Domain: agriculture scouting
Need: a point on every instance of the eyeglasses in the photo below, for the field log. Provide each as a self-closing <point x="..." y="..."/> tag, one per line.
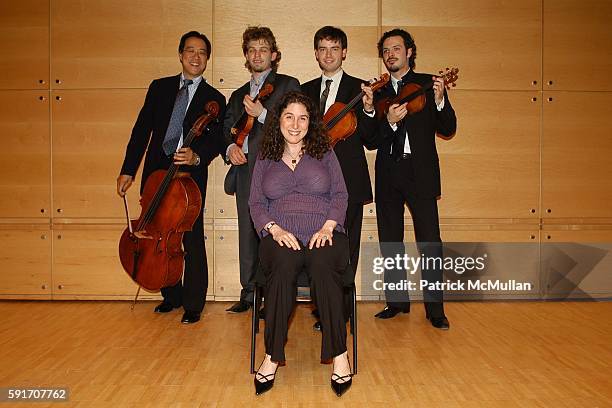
<point x="192" y="51"/>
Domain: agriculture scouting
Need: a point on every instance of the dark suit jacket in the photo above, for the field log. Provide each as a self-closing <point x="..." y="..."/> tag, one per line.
<point x="422" y="128"/>
<point x="350" y="151"/>
<point x="152" y="123"/>
<point x="282" y="84"/>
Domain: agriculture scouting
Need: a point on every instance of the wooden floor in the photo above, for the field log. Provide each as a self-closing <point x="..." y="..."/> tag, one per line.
<point x="495" y="354"/>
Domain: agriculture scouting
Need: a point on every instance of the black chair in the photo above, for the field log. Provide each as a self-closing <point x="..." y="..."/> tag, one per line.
<point x="302" y="282"/>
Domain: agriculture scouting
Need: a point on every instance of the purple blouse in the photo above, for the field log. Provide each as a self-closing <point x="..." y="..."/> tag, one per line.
<point x="298" y="201"/>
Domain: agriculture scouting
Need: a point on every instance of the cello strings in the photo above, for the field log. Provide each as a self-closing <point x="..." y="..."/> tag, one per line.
<point x="150" y="213"/>
<point x="166" y="182"/>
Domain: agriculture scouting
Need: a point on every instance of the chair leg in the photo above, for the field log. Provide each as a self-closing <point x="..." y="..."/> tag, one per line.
<point x="256" y="306"/>
<point x="354" y="330"/>
<point x="254" y="328"/>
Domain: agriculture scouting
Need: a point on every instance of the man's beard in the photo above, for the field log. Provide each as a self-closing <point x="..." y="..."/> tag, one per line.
<point x="392" y="68"/>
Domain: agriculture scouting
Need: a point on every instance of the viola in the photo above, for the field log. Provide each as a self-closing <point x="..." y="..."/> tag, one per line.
<point x="340" y="119"/>
<point x="413" y="95"/>
<point x="241" y="129"/>
<point x="150" y="248"/>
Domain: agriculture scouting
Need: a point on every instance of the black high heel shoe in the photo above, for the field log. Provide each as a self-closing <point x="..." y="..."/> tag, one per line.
<point x="341" y="387"/>
<point x="267" y="384"/>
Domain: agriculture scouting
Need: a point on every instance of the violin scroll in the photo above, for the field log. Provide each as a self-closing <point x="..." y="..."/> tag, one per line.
<point x="376" y="84"/>
<point x="450" y="77"/>
<point x="212" y="111"/>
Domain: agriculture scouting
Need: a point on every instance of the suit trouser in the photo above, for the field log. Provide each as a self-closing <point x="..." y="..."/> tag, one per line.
<point x="191" y="292"/>
<point x="248" y="240"/>
<point x="390" y="220"/>
<point x="325" y="266"/>
<point x="352" y="225"/>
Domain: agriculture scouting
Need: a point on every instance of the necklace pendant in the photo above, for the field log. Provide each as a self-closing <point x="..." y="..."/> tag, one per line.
<point x="294" y="161"/>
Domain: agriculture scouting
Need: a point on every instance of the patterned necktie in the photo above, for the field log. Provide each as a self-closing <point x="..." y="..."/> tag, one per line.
<point x="400" y="134"/>
<point x="324" y="95"/>
<point x="175" y="127"/>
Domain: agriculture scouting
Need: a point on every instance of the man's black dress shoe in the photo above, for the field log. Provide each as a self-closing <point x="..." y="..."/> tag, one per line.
<point x="317" y="325"/>
<point x="190" y="317"/>
<point x="389" y="311"/>
<point x="439" y="322"/>
<point x="163" y="307"/>
<point x="239" y="307"/>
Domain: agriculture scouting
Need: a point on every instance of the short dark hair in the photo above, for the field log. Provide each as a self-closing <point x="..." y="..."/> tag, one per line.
<point x="332" y="34"/>
<point x="260" y="33"/>
<point x="408" y="43"/>
<point x="197" y="35"/>
<point x="316" y="141"/>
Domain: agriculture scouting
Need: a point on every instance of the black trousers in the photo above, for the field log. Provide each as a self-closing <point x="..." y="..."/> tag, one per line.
<point x="390" y="220"/>
<point x="353" y="224"/>
<point x="325" y="266"/>
<point x="191" y="292"/>
<point x="248" y="240"/>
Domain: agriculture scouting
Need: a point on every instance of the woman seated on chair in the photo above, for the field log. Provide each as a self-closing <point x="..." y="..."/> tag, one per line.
<point x="298" y="203"/>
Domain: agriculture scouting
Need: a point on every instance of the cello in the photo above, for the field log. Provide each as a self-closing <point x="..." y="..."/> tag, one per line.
<point x="340" y="120"/>
<point x="150" y="248"/>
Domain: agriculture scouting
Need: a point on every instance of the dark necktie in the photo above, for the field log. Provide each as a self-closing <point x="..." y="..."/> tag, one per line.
<point x="175" y="127"/>
<point x="324" y="95"/>
<point x="400" y="135"/>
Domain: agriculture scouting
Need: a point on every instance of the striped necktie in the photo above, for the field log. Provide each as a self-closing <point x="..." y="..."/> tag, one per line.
<point x="324" y="95"/>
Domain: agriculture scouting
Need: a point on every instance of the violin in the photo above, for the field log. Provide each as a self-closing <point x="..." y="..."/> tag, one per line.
<point x="340" y="119"/>
<point x="413" y="95"/>
<point x="150" y="248"/>
<point x="241" y="129"/>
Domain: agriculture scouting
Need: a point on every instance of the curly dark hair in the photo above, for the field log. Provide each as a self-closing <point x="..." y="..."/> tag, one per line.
<point x="253" y="33"/>
<point x="316" y="141"/>
<point x="408" y="43"/>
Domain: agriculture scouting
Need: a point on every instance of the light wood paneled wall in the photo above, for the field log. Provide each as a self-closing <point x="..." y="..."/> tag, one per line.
<point x="90" y="131"/>
<point x="25" y="261"/>
<point x="491" y="169"/>
<point x="25" y="157"/>
<point x="577" y="38"/>
<point x="532" y="104"/>
<point x="114" y="44"/>
<point x="576" y="151"/>
<point x="24" y="44"/>
<point x="576" y="261"/>
<point x="294" y="25"/>
<point x="496" y="44"/>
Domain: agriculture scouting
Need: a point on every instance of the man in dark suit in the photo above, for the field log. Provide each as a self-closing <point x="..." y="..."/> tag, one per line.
<point x="408" y="172"/>
<point x="262" y="59"/>
<point x="171" y="107"/>
<point x="335" y="85"/>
